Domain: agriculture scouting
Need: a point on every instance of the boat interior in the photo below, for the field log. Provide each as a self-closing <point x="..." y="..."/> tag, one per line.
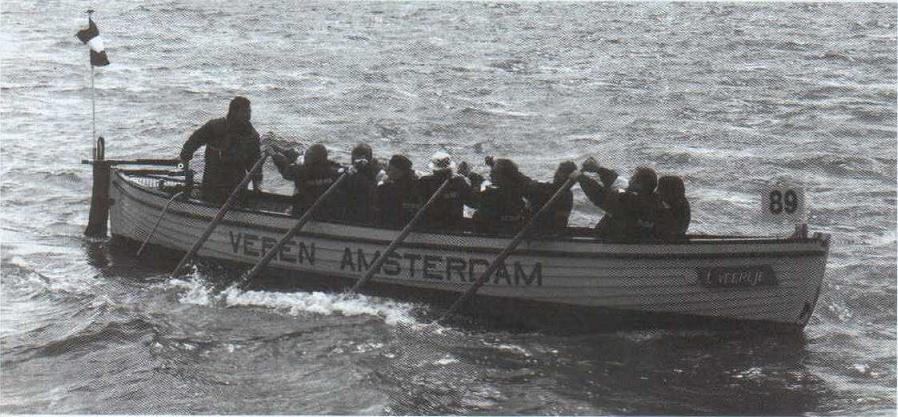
<point x="169" y="183"/>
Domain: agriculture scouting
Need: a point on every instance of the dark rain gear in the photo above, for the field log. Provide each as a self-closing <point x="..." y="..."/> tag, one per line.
<point x="358" y="193"/>
<point x="231" y="152"/>
<point x="396" y="202"/>
<point x="554" y="221"/>
<point x="447" y="212"/>
<point x="629" y="216"/>
<point x="310" y="182"/>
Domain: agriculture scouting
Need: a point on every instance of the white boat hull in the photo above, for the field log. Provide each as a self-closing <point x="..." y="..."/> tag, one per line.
<point x="746" y="279"/>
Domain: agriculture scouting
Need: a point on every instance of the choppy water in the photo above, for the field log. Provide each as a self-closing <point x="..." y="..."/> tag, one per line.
<point x="731" y="97"/>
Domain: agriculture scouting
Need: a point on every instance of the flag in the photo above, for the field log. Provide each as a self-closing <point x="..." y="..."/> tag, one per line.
<point x="91" y="36"/>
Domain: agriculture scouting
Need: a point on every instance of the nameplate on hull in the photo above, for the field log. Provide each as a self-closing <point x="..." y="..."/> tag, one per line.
<point x="737" y="277"/>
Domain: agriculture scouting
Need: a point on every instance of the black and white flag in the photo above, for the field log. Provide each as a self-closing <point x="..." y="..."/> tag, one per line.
<point x="91" y="36"/>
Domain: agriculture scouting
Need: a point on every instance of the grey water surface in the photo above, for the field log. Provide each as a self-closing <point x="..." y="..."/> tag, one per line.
<point x="732" y="97"/>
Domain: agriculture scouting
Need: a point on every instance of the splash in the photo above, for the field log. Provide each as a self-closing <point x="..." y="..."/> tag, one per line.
<point x="199" y="292"/>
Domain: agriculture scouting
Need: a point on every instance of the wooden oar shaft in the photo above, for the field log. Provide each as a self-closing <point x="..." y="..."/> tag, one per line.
<point x="159" y="220"/>
<point x="269" y="255"/>
<point x="518" y="238"/>
<point x="163" y="162"/>
<point x="232" y="199"/>
<point x="402" y="235"/>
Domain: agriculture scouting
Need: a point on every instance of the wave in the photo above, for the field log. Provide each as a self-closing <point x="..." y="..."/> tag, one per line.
<point x="199" y="292"/>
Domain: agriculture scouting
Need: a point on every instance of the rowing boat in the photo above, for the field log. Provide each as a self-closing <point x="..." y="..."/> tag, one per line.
<point x="746" y="282"/>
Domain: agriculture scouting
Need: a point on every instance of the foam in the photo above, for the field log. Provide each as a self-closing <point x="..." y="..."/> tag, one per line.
<point x="199" y="292"/>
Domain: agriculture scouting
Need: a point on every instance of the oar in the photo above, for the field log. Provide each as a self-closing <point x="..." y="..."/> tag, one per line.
<point x="292" y="232"/>
<point x="159" y="220"/>
<point x="506" y="252"/>
<point x="402" y="235"/>
<point x="232" y="199"/>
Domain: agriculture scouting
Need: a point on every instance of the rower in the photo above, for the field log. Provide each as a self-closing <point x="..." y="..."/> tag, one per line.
<point x="447" y="213"/>
<point x="397" y="197"/>
<point x="358" y="188"/>
<point x="630" y="214"/>
<point x="501" y="206"/>
<point x="556" y="220"/>
<point x="311" y="179"/>
<point x="232" y="148"/>
<point x="673" y="220"/>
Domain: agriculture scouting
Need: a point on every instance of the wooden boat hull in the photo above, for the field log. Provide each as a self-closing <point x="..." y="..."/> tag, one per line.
<point x="763" y="280"/>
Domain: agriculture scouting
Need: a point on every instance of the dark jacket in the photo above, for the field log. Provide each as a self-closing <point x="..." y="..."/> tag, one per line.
<point x="230" y="153"/>
<point x="629" y="215"/>
<point x="500" y="210"/>
<point x="358" y="193"/>
<point x="555" y="221"/>
<point x="396" y="202"/>
<point x="673" y="220"/>
<point x="310" y="182"/>
<point x="447" y="212"/>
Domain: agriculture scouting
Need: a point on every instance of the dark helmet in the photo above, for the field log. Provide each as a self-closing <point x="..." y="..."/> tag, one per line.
<point x="671" y="188"/>
<point x="316" y="154"/>
<point x="362" y="151"/>
<point x="644" y="180"/>
<point x="564" y="170"/>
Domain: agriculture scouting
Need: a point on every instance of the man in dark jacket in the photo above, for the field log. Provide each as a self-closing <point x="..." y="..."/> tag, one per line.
<point x="673" y="220"/>
<point x="501" y="208"/>
<point x="397" y="198"/>
<point x="631" y="214"/>
<point x="311" y="179"/>
<point x="447" y="212"/>
<point x="358" y="189"/>
<point x="555" y="220"/>
<point x="232" y="148"/>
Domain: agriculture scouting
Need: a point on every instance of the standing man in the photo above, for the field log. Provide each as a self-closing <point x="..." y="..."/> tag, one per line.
<point x="232" y="148"/>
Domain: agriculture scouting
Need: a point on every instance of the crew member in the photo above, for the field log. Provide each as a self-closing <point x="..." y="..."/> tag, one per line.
<point x="673" y="220"/>
<point x="311" y="179"/>
<point x="397" y="198"/>
<point x="630" y="214"/>
<point x="358" y="189"/>
<point x="232" y="148"/>
<point x="501" y="206"/>
<point x="447" y="212"/>
<point x="553" y="222"/>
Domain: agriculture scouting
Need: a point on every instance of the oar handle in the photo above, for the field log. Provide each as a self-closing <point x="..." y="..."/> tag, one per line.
<point x="232" y="199"/>
<point x="507" y="251"/>
<point x="402" y="235"/>
<point x="292" y="232"/>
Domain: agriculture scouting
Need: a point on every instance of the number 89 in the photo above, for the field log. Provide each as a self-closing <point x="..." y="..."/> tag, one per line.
<point x="780" y="201"/>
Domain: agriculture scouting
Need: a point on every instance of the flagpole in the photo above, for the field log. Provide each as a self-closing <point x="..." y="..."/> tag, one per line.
<point x="93" y="102"/>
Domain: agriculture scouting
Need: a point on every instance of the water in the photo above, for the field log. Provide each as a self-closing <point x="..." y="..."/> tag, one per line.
<point x="732" y="97"/>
